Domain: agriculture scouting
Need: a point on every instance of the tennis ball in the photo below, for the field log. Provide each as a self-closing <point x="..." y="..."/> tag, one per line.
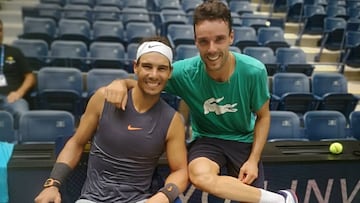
<point x="336" y="148"/>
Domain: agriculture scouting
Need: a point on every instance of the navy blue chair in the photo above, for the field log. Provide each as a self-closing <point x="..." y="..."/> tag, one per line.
<point x="333" y="35"/>
<point x="116" y="3"/>
<point x="75" y="30"/>
<point x="325" y="126"/>
<point x="107" y="55"/>
<point x="240" y="7"/>
<point x="49" y="10"/>
<point x="135" y="31"/>
<point x="135" y="15"/>
<point x="295" y="11"/>
<point x="131" y="50"/>
<point x="285" y="126"/>
<point x="245" y="36"/>
<point x="135" y="4"/>
<point x="79" y="12"/>
<point x="293" y="60"/>
<point x="190" y="5"/>
<point x="332" y="93"/>
<point x="354" y="124"/>
<point x="106" y="13"/>
<point x="352" y="49"/>
<point x="266" y="56"/>
<point x="254" y="20"/>
<point x="180" y="34"/>
<point x="58" y="2"/>
<point x="39" y="28"/>
<point x="108" y="31"/>
<point x="69" y="54"/>
<point x="35" y="50"/>
<point x="337" y="12"/>
<point x="272" y="37"/>
<point x="292" y="92"/>
<point x="90" y="3"/>
<point x="314" y="16"/>
<point x="184" y="51"/>
<point x="8" y="133"/>
<point x="45" y="126"/>
<point x="169" y="16"/>
<point x="97" y="78"/>
<point x="60" y="88"/>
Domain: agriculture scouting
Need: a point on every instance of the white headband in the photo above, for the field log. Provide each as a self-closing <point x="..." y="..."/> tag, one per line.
<point x="154" y="46"/>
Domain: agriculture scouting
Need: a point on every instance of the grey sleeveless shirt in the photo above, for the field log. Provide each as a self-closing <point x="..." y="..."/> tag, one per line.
<point x="125" y="152"/>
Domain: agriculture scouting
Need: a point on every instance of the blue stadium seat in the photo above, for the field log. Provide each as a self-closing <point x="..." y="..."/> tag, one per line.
<point x="292" y="92"/>
<point x="60" y="88"/>
<point x="285" y="126"/>
<point x="75" y="30"/>
<point x="131" y="50"/>
<point x="245" y="36"/>
<point x="314" y="16"/>
<point x="325" y="126"/>
<point x="352" y="49"/>
<point x="135" y="15"/>
<point x="293" y="60"/>
<point x="337" y="12"/>
<point x="116" y="3"/>
<point x="180" y="34"/>
<point x="190" y="5"/>
<point x="169" y="16"/>
<point x="58" y="2"/>
<point x="272" y="37"/>
<point x="354" y="122"/>
<point x="353" y="12"/>
<point x="49" y="10"/>
<point x="184" y="51"/>
<point x="333" y="35"/>
<point x="254" y="20"/>
<point x="35" y="50"/>
<point x="90" y="3"/>
<point x="7" y="131"/>
<point x="97" y="78"/>
<point x="265" y="55"/>
<point x="159" y="5"/>
<point x="171" y="99"/>
<point x="135" y="31"/>
<point x="81" y="12"/>
<point x="107" y="55"/>
<point x="69" y="54"/>
<point x="45" y="126"/>
<point x="135" y="4"/>
<point x="39" y="28"/>
<point x="332" y="93"/>
<point x="295" y="11"/>
<point x="240" y="7"/>
<point x="108" y="31"/>
<point x="235" y="49"/>
<point x="106" y="13"/>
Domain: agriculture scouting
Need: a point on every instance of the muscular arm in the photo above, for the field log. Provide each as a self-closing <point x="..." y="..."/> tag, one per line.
<point x="72" y="151"/>
<point x="28" y="83"/>
<point x="249" y="171"/>
<point x="116" y="92"/>
<point x="177" y="158"/>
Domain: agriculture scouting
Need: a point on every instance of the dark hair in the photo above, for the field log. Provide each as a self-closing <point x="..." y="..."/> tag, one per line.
<point x="212" y="10"/>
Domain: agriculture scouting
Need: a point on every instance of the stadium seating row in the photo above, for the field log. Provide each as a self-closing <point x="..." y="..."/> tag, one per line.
<point x="320" y="125"/>
<point x="50" y="126"/>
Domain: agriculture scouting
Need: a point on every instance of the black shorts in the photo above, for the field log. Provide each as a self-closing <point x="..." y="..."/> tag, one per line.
<point x="229" y="155"/>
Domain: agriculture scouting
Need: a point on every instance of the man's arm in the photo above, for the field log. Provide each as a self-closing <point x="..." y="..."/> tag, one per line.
<point x="249" y="171"/>
<point x="29" y="82"/>
<point x="116" y="92"/>
<point x="72" y="151"/>
<point x="176" y="154"/>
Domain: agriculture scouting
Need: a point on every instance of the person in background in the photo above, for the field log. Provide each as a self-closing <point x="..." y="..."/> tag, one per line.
<point x="127" y="144"/>
<point x="16" y="79"/>
<point x="228" y="97"/>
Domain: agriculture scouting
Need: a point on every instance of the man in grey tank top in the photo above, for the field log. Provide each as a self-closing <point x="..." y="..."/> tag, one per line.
<point x="127" y="144"/>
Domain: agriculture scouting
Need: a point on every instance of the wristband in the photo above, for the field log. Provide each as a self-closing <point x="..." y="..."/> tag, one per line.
<point x="52" y="182"/>
<point x="171" y="191"/>
<point x="60" y="171"/>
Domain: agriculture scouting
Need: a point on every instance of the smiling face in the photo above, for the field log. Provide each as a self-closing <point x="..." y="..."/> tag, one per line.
<point x="153" y="71"/>
<point x="213" y="38"/>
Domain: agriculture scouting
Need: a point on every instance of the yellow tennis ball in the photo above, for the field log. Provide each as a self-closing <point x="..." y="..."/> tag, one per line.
<point x="336" y="148"/>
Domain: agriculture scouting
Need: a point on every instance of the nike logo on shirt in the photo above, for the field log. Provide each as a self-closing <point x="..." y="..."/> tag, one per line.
<point x="131" y="128"/>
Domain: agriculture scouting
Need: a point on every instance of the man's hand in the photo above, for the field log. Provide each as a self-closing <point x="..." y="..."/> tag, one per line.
<point x="50" y="194"/>
<point x="13" y="96"/>
<point x="248" y="172"/>
<point x="116" y="93"/>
